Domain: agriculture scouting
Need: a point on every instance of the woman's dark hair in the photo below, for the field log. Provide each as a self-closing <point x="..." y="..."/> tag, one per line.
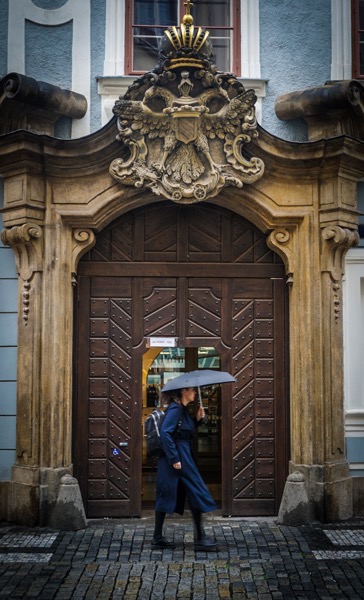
<point x="166" y="398"/>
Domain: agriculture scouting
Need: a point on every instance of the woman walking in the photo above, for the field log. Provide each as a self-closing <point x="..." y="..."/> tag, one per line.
<point x="178" y="477"/>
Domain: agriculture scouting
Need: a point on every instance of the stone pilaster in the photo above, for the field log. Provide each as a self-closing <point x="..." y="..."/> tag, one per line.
<point x="316" y="371"/>
<point x="46" y="259"/>
<point x="337" y="484"/>
<point x="27" y="243"/>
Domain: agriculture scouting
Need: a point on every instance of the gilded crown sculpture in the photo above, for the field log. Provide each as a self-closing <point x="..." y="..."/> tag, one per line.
<point x="185" y="123"/>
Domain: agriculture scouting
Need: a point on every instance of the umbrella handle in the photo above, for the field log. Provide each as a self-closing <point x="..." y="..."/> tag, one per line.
<point x="199" y="395"/>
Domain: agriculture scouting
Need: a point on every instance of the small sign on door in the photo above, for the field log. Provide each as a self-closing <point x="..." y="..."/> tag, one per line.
<point x="162" y="342"/>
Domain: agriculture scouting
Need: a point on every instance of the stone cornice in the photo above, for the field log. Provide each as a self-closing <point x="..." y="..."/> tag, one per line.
<point x="25" y="151"/>
<point x="308" y="160"/>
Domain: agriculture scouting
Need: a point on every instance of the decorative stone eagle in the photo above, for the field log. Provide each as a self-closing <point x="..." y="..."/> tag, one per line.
<point x="186" y="124"/>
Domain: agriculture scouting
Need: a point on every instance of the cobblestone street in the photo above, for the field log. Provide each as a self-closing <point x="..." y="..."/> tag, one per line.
<point x="257" y="558"/>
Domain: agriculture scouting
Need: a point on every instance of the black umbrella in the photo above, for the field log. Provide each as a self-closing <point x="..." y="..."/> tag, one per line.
<point x="198" y="379"/>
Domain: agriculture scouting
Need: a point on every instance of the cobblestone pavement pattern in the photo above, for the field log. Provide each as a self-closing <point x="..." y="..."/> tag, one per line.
<point x="113" y="559"/>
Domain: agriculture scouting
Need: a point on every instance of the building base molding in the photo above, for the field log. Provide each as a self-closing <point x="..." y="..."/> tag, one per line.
<point x="23" y="494"/>
<point x="317" y="492"/>
<point x="358" y="496"/>
<point x="44" y="497"/>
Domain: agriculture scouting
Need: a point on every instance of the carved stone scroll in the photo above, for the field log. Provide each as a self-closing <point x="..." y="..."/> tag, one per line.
<point x="26" y="241"/>
<point x="82" y="241"/>
<point x="337" y="241"/>
<point x="280" y="240"/>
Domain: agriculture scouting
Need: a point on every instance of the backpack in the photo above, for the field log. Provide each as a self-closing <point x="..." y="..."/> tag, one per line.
<point x="152" y="427"/>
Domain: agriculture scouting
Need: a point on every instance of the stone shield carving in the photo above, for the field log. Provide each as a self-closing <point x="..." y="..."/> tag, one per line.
<point x="186" y="127"/>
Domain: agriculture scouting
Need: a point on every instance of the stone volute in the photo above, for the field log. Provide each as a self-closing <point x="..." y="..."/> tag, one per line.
<point x="26" y="103"/>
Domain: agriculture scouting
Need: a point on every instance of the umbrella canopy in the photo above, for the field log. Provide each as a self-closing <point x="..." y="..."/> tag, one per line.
<point x="198" y="379"/>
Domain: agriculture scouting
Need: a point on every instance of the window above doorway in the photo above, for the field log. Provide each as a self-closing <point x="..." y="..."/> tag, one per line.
<point x="118" y="74"/>
<point x="147" y="20"/>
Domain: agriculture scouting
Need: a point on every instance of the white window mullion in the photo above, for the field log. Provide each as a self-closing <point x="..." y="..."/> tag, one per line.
<point x="114" y="38"/>
<point x="341" y="65"/>
<point x="250" y="39"/>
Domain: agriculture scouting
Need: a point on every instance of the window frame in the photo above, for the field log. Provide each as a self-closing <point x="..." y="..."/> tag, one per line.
<point x="355" y="36"/>
<point x="235" y="66"/>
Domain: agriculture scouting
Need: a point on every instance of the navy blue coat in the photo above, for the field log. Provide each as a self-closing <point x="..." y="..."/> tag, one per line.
<point x="174" y="485"/>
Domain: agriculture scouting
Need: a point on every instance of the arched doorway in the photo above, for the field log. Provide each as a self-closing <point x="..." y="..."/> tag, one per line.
<point x="204" y="276"/>
<point x="161" y="365"/>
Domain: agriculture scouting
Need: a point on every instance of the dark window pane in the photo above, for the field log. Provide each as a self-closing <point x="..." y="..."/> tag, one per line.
<point x="214" y="13"/>
<point x="221" y="42"/>
<point x="361" y="53"/>
<point x="361" y="14"/>
<point x="161" y="12"/>
<point x="361" y="59"/>
<point x="146" y="36"/>
<point x="146" y="39"/>
<point x="146" y="48"/>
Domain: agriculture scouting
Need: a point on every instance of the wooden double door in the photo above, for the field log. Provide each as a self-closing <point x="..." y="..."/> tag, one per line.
<point x="205" y="276"/>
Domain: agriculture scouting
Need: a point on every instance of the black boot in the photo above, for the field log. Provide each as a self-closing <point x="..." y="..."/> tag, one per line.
<point x="202" y="541"/>
<point x="158" y="541"/>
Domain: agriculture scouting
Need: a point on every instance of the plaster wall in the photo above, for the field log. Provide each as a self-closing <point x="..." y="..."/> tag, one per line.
<point x="353" y="357"/>
<point x="49" y="4"/>
<point x="3" y="36"/>
<point x="75" y="12"/>
<point x="295" y="53"/>
<point x="8" y="355"/>
<point x="41" y="60"/>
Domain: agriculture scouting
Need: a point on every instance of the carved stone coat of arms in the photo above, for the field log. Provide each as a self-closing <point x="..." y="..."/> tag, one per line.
<point x="185" y="124"/>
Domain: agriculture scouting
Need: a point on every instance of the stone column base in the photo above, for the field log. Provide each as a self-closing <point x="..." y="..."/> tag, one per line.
<point x="23" y="496"/>
<point x="295" y="507"/>
<point x="68" y="513"/>
<point x="37" y="496"/>
<point x="317" y="492"/>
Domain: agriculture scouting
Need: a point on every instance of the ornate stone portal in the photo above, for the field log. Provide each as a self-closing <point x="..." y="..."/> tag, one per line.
<point x="186" y="124"/>
<point x="59" y="194"/>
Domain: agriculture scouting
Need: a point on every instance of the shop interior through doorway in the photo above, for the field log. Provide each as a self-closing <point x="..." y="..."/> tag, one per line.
<point x="159" y="366"/>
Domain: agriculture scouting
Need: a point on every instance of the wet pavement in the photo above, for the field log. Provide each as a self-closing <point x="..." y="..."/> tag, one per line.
<point x="257" y="558"/>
